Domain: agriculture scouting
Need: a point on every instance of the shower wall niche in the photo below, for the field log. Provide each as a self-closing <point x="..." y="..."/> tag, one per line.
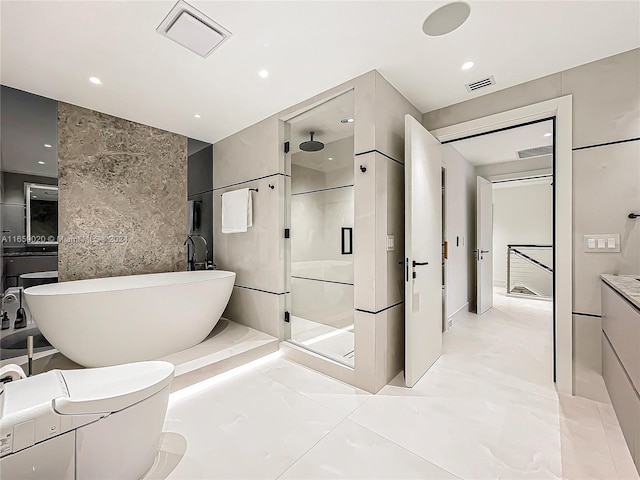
<point x="322" y="230"/>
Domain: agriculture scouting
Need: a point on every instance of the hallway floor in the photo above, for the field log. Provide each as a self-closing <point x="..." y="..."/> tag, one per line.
<point x="486" y="409"/>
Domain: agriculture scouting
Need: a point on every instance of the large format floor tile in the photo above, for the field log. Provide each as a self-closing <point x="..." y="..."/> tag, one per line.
<point x="486" y="409"/>
<point x="339" y="397"/>
<point x="247" y="427"/>
<point x="485" y="419"/>
<point x="470" y="437"/>
<point x="353" y="452"/>
<point x="511" y="343"/>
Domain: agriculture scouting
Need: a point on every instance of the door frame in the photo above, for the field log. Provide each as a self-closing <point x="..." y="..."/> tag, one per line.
<point x="445" y="238"/>
<point x="479" y="258"/>
<point x="560" y="109"/>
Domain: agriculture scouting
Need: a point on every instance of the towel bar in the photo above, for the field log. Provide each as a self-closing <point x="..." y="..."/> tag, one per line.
<point x="251" y="190"/>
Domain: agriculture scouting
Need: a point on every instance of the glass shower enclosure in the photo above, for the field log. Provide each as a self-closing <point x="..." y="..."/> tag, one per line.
<point x="320" y="205"/>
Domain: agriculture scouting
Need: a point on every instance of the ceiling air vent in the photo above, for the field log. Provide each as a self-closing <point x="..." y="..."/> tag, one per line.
<point x="193" y="29"/>
<point x="536" y="151"/>
<point x="485" y="82"/>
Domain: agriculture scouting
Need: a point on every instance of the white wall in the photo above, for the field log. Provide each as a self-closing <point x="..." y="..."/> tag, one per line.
<point x="527" y="167"/>
<point x="522" y="214"/>
<point x="460" y="185"/>
<point x="606" y="110"/>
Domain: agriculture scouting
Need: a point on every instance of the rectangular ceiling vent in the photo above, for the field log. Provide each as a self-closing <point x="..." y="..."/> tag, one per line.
<point x="536" y="152"/>
<point x="193" y="29"/>
<point x="485" y="82"/>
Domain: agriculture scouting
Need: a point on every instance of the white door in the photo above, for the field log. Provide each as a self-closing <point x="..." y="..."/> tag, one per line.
<point x="423" y="250"/>
<point x="484" y="246"/>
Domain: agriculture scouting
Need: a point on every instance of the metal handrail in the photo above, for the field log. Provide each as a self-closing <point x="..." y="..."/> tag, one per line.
<point x="532" y="260"/>
<point x="524" y="245"/>
<point x="514" y="248"/>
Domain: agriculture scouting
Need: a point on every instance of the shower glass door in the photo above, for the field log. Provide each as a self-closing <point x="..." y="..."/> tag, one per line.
<point x="321" y="220"/>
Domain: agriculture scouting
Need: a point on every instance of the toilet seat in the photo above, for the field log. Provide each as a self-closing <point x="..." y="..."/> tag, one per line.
<point x="36" y="409"/>
<point x="111" y="389"/>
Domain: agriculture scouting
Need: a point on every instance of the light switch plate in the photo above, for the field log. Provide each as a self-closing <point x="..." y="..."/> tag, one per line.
<point x="390" y="243"/>
<point x="601" y="243"/>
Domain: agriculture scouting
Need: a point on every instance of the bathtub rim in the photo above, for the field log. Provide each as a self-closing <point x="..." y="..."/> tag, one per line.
<point x="53" y="289"/>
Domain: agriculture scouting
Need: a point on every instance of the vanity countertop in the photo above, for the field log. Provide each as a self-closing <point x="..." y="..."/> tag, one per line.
<point x="626" y="285"/>
<point x="28" y="254"/>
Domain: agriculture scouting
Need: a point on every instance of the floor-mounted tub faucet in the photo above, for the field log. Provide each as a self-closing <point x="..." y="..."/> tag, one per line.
<point x="192" y="264"/>
<point x="191" y="261"/>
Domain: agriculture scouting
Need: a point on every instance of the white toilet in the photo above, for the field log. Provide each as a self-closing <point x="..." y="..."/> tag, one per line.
<point x="98" y="423"/>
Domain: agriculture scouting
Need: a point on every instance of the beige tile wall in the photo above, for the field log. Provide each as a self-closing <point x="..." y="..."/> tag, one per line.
<point x="378" y="209"/>
<point x="254" y="158"/>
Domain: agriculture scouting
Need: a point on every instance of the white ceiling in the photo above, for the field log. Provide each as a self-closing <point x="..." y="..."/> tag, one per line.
<point x="52" y="47"/>
<point x="502" y="147"/>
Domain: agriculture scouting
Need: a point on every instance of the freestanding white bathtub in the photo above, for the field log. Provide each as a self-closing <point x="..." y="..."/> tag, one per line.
<point x="110" y="321"/>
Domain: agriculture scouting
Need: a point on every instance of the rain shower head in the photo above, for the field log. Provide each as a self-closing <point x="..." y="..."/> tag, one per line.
<point x="311" y="145"/>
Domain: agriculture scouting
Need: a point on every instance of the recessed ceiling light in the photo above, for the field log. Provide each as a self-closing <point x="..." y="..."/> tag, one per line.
<point x="330" y="158"/>
<point x="547" y="134"/>
<point x="95" y="80"/>
<point x="197" y="115"/>
<point x="446" y="19"/>
<point x="41" y="162"/>
<point x="263" y="73"/>
<point x="47" y="145"/>
<point x="34" y="196"/>
<point x="467" y="65"/>
<point x="347" y="120"/>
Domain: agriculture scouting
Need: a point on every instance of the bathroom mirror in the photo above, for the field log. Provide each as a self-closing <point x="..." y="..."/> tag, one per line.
<point x="29" y="168"/>
<point x="200" y="200"/>
<point x="42" y="213"/>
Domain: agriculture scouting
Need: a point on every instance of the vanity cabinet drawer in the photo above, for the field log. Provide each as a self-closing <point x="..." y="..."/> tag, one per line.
<point x="624" y="398"/>
<point x="621" y="324"/>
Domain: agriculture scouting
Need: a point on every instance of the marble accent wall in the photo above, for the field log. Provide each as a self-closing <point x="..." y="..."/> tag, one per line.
<point x="123" y="191"/>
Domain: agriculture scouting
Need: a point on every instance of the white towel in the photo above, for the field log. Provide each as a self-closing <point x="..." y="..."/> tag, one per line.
<point x="237" y="211"/>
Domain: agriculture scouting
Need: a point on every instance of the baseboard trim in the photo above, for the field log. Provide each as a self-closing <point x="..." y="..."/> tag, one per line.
<point x="458" y="310"/>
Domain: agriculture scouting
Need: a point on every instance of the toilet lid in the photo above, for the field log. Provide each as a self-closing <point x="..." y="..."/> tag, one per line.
<point x="110" y="389"/>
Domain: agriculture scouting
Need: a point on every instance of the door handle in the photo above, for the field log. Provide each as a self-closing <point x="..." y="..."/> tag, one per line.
<point x="484" y="251"/>
<point x="418" y="264"/>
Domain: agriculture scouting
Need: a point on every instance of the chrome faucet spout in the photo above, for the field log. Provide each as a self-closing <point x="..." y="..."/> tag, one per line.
<point x="192" y="260"/>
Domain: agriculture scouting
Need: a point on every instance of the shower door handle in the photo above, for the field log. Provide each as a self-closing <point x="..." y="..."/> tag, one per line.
<point x="347" y="240"/>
